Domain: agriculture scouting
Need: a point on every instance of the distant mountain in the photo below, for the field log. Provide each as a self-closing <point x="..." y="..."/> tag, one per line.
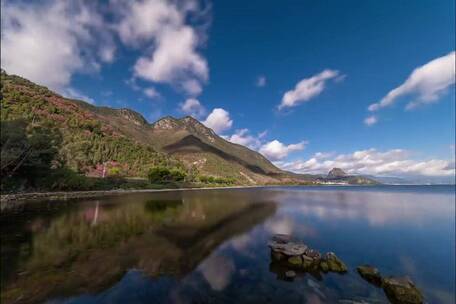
<point x="93" y="135"/>
<point x="336" y="173"/>
<point x="338" y="176"/>
<point x="415" y="180"/>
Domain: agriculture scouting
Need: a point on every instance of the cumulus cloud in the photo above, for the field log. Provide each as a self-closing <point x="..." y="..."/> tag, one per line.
<point x="243" y="137"/>
<point x="171" y="45"/>
<point x="261" y="81"/>
<point x="275" y="150"/>
<point x="427" y="82"/>
<point x="218" y="120"/>
<point x="371" y="120"/>
<point x="48" y="42"/>
<point x="308" y="88"/>
<point x="193" y="107"/>
<point x="73" y="93"/>
<point x="151" y="92"/>
<point x="395" y="162"/>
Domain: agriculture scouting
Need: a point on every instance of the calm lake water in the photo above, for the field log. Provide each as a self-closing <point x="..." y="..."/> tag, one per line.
<point x="211" y="246"/>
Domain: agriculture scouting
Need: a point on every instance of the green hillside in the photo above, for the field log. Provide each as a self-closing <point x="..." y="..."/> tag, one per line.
<point x="70" y="139"/>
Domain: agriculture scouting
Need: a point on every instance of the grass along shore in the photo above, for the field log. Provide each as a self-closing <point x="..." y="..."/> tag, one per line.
<point x="10" y="200"/>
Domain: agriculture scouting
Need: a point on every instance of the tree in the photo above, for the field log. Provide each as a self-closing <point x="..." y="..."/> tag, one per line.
<point x="27" y="153"/>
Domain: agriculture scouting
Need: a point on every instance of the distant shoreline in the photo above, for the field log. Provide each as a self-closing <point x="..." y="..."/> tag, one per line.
<point x="7" y="200"/>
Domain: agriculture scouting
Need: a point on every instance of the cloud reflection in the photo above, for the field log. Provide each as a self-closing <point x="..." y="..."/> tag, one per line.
<point x="378" y="208"/>
<point x="218" y="271"/>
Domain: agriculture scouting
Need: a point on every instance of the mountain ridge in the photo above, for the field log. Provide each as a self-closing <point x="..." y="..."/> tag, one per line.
<point x="88" y="129"/>
<point x="96" y="135"/>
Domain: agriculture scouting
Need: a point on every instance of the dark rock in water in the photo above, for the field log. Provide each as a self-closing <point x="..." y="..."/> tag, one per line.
<point x="307" y="262"/>
<point x="313" y="254"/>
<point x="277" y="256"/>
<point x="333" y="263"/>
<point x="370" y="274"/>
<point x="298" y="256"/>
<point x="290" y="274"/>
<point x="324" y="266"/>
<point x="295" y="261"/>
<point x="288" y="249"/>
<point x="281" y="238"/>
<point x="401" y="290"/>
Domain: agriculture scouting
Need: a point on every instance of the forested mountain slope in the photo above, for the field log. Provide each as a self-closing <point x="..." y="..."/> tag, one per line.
<point x="85" y="138"/>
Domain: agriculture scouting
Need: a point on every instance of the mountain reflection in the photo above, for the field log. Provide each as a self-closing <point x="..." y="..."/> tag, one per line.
<point x="91" y="247"/>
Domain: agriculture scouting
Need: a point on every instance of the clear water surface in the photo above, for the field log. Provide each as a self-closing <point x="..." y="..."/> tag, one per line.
<point x="211" y="246"/>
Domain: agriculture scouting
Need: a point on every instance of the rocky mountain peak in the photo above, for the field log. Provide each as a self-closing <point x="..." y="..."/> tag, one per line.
<point x="195" y="126"/>
<point x="133" y="116"/>
<point x="336" y="172"/>
<point x="166" y="123"/>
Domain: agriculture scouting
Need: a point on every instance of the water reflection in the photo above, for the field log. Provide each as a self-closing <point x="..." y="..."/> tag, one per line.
<point x="89" y="249"/>
<point x="210" y="246"/>
<point x="217" y="270"/>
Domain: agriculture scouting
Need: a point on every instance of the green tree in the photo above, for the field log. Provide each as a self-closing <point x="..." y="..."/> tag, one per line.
<point x="27" y="152"/>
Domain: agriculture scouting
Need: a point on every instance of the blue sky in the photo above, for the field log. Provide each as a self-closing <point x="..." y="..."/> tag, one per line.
<point x="334" y="59"/>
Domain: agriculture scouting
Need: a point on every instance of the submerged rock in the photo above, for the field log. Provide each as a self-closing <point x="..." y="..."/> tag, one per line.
<point x="290" y="274"/>
<point x="277" y="256"/>
<point x="370" y="274"/>
<point x="401" y="290"/>
<point x="333" y="263"/>
<point x="299" y="256"/>
<point x="295" y="261"/>
<point x="324" y="266"/>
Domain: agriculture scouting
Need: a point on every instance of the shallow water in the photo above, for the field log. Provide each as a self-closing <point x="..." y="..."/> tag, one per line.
<point x="211" y="246"/>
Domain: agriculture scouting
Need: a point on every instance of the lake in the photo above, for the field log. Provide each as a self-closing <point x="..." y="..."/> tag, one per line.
<point x="210" y="246"/>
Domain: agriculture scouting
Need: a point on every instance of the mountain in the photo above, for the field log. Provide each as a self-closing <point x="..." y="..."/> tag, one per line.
<point x="92" y="136"/>
<point x="336" y="173"/>
<point x="338" y="176"/>
<point x="415" y="180"/>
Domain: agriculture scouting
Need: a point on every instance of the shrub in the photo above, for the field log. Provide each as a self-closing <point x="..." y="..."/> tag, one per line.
<point x="216" y="180"/>
<point x="159" y="175"/>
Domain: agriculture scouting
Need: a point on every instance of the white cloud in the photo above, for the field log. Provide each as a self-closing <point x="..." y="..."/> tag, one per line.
<point x="242" y="137"/>
<point x="192" y="87"/>
<point x="151" y="92"/>
<point x="218" y="120"/>
<point x="371" y="120"/>
<point x="275" y="150"/>
<point x="193" y="107"/>
<point x="263" y="134"/>
<point x="396" y="162"/>
<point x="107" y="53"/>
<point x="307" y="88"/>
<point x="76" y="94"/>
<point x="427" y="82"/>
<point x="261" y="81"/>
<point x="173" y="57"/>
<point x="49" y="42"/>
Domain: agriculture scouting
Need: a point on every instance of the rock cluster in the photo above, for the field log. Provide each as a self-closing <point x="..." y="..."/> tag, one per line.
<point x="399" y="290"/>
<point x="297" y="255"/>
<point x="370" y="274"/>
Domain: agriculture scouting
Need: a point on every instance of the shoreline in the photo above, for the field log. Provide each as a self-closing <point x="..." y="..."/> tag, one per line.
<point x="66" y="195"/>
<point x="8" y="199"/>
